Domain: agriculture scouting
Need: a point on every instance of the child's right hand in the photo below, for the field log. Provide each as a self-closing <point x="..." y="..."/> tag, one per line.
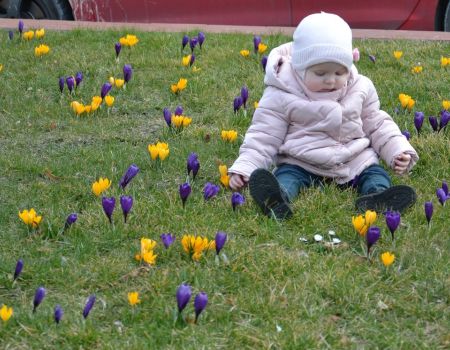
<point x="237" y="182"/>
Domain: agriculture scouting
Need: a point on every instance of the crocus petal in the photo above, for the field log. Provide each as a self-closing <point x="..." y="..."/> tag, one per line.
<point x="70" y="83"/>
<point x="201" y="38"/>
<point x="442" y="197"/>
<point x="71" y="219"/>
<point x="200" y="302"/>
<point x="89" y="305"/>
<point x="392" y="221"/>
<point x="428" y="211"/>
<point x="237" y="199"/>
<point x="183" y="296"/>
<point x="127" y="72"/>
<point x="61" y="83"/>
<point x="126" y="202"/>
<point x="244" y="95"/>
<point x="372" y="236"/>
<point x="58" y="313"/>
<point x="193" y="164"/>
<point x="117" y="48"/>
<point x="39" y="295"/>
<point x="108" y="206"/>
<point x="418" y="120"/>
<point x="131" y="172"/>
<point x="106" y="88"/>
<point x="18" y="270"/>
<point x="220" y="239"/>
<point x="184" y="41"/>
<point x="185" y="191"/>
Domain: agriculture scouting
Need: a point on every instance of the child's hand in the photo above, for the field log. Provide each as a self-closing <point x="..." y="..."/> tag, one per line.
<point x="401" y="163"/>
<point x="237" y="182"/>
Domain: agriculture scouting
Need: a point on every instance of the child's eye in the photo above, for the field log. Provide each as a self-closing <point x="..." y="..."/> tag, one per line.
<point x="319" y="74"/>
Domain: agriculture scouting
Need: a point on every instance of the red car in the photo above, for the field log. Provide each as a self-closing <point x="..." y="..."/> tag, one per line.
<point x="375" y="14"/>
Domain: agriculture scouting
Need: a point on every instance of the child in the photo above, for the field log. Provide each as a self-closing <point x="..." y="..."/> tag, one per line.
<point x="319" y="119"/>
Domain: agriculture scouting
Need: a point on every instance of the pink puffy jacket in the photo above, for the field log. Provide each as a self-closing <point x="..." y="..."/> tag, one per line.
<point x="335" y="135"/>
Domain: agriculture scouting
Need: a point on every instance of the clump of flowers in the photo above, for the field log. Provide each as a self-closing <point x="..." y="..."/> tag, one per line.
<point x="159" y="150"/>
<point x="40" y="33"/>
<point x="118" y="83"/>
<point x="361" y="223"/>
<point x="179" y="86"/>
<point x="30" y="218"/>
<point x="100" y="186"/>
<point x="146" y="254"/>
<point x="41" y="50"/>
<point x="229" y="135"/>
<point x="181" y="121"/>
<point x="406" y="101"/>
<point x="129" y="40"/>
<point x="28" y="35"/>
<point x="195" y="246"/>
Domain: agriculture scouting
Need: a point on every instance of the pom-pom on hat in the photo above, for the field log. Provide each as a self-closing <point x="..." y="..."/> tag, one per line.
<point x="322" y="37"/>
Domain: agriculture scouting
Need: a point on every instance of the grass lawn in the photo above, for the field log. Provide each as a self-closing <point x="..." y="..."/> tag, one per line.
<point x="275" y="291"/>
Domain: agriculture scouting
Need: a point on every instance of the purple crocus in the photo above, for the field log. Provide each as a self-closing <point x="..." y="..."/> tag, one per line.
<point x="392" y="221"/>
<point x="167" y="116"/>
<point x="418" y="120"/>
<point x="407" y="134"/>
<point x="237" y="104"/>
<point x="201" y="38"/>
<point x="106" y="88"/>
<point x="178" y="110"/>
<point x="183" y="296"/>
<point x="126" y="202"/>
<point x="108" y="206"/>
<point x="210" y="190"/>
<point x="372" y="236"/>
<point x="11" y="35"/>
<point x="70" y="83"/>
<point x="39" y="295"/>
<point x="237" y="199"/>
<point x="78" y="78"/>
<point x="89" y="305"/>
<point x="192" y="60"/>
<point x="428" y="211"/>
<point x="185" y="191"/>
<point x="440" y="193"/>
<point x="167" y="239"/>
<point x="184" y="41"/>
<point x="127" y="72"/>
<point x="433" y="122"/>
<point x="58" y="313"/>
<point x="264" y="62"/>
<point x="193" y="43"/>
<point x="445" y="187"/>
<point x="20" y="27"/>
<point x="18" y="270"/>
<point x="71" y="219"/>
<point x="220" y="239"/>
<point x="117" y="47"/>
<point x="372" y="58"/>
<point x="131" y="172"/>
<point x="244" y="95"/>
<point x="445" y="118"/>
<point x="256" y="42"/>
<point x="200" y="302"/>
<point x="61" y="83"/>
<point x="193" y="164"/>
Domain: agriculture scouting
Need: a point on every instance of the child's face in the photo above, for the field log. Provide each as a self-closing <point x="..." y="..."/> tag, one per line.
<point x="326" y="77"/>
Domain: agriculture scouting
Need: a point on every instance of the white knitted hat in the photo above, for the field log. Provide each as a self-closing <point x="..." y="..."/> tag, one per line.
<point x="322" y="37"/>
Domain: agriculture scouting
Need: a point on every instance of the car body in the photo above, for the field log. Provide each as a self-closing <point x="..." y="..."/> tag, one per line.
<point x="368" y="14"/>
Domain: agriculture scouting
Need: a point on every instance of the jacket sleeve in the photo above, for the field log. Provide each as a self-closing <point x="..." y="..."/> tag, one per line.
<point x="384" y="134"/>
<point x="264" y="136"/>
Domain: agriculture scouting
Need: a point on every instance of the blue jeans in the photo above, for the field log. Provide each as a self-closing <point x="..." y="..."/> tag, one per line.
<point x="293" y="179"/>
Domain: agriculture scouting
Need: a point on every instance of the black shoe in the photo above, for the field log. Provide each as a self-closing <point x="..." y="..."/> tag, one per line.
<point x="267" y="193"/>
<point x="395" y="198"/>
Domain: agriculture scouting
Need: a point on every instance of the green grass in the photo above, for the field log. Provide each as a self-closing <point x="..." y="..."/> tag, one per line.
<point x="276" y="292"/>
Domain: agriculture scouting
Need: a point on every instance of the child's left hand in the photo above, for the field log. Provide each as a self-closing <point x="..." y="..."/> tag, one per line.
<point x="401" y="163"/>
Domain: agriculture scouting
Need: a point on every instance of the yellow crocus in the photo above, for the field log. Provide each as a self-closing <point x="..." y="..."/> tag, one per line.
<point x="256" y="104"/>
<point x="359" y="223"/>
<point x="398" y="54"/>
<point x="244" y="53"/>
<point x="111" y="80"/>
<point x="370" y="217"/>
<point x="6" y="313"/>
<point x="153" y="150"/>
<point x="186" y="60"/>
<point x="40" y="33"/>
<point x="406" y="101"/>
<point x="133" y="298"/>
<point x="88" y="108"/>
<point x="194" y="245"/>
<point x="417" y="69"/>
<point x="163" y="153"/>
<point x="109" y="100"/>
<point x="159" y="150"/>
<point x="224" y="177"/>
<point x="98" y="187"/>
<point x="181" y="121"/>
<point x="229" y="135"/>
<point x="147" y="244"/>
<point x="30" y="217"/>
<point x="445" y="61"/>
<point x="446" y="104"/>
<point x="119" y="83"/>
<point x="387" y="258"/>
<point x="187" y="121"/>
<point x="149" y="257"/>
<point x="179" y="86"/>
<point x="41" y="50"/>
<point x="80" y="108"/>
<point x="129" y="40"/>
<point x="1" y="67"/>
<point x="262" y="48"/>
<point x="28" y="35"/>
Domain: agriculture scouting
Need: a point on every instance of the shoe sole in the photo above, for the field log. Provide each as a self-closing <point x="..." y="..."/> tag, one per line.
<point x="266" y="191"/>
<point x="396" y="198"/>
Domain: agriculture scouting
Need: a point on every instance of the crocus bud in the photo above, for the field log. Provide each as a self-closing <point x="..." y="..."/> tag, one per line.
<point x="131" y="172"/>
<point x="58" y="313"/>
<point x="193" y="164"/>
<point x="178" y="110"/>
<point x="210" y="190"/>
<point x="442" y="197"/>
<point x="184" y="41"/>
<point x="106" y="88"/>
<point x="201" y="38"/>
<point x="264" y="62"/>
<point x="167" y="116"/>
<point x="78" y="78"/>
<point x="192" y="60"/>
<point x="20" y="27"/>
<point x="256" y="42"/>
<point x="418" y="120"/>
<point x="220" y="239"/>
<point x="356" y="55"/>
<point x="89" y="305"/>
<point x="18" y="270"/>
<point x="428" y="211"/>
<point x="445" y="187"/>
<point x="127" y="72"/>
<point x="126" y="202"/>
<point x="445" y="118"/>
<point x="237" y="104"/>
<point x="200" y="302"/>
<point x="70" y="83"/>
<point x="167" y="239"/>
<point x="39" y="295"/>
<point x="407" y="134"/>
<point x="392" y="221"/>
<point x="433" y="122"/>
<point x="372" y="58"/>
<point x="11" y="35"/>
<point x="244" y="95"/>
<point x="185" y="191"/>
<point x="193" y="43"/>
<point x="108" y="207"/>
<point x="61" y="82"/>
<point x="117" y="47"/>
<point x="237" y="199"/>
<point x="183" y="296"/>
<point x="372" y="236"/>
<point x="71" y="220"/>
